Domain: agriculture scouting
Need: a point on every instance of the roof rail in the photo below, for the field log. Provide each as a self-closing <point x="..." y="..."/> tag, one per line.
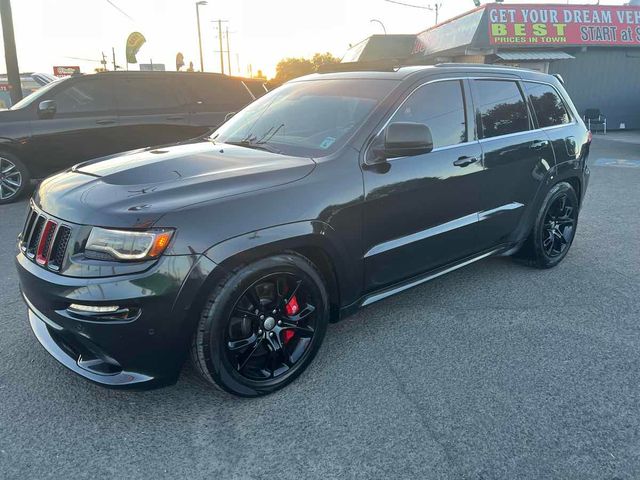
<point x="386" y="65"/>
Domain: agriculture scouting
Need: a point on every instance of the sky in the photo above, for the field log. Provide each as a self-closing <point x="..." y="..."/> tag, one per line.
<point x="77" y="32"/>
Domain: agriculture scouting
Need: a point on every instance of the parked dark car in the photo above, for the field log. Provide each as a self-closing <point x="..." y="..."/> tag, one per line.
<point x="87" y="116"/>
<point x="330" y="193"/>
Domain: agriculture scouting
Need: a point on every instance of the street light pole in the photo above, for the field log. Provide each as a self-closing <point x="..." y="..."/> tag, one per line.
<point x="202" y="2"/>
<point x="375" y="20"/>
<point x="228" y="51"/>
<point x="13" y="71"/>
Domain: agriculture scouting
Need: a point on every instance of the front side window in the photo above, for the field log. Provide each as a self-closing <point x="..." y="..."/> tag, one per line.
<point x="92" y="95"/>
<point x="547" y="104"/>
<point x="440" y="106"/>
<point x="500" y="108"/>
<point x="309" y="118"/>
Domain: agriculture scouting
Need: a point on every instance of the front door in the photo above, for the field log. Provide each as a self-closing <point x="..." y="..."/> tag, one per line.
<point x="84" y="126"/>
<point x="420" y="212"/>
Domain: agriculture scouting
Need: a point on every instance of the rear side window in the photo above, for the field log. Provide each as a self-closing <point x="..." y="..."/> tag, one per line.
<point x="91" y="95"/>
<point x="549" y="108"/>
<point x="500" y="108"/>
<point x="219" y="94"/>
<point x="146" y="93"/>
<point x="440" y="106"/>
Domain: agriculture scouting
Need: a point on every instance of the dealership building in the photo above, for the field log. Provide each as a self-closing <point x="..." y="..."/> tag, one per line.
<point x="596" y="49"/>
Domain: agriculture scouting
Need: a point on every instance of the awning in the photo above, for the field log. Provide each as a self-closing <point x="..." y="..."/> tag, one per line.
<point x="534" y="55"/>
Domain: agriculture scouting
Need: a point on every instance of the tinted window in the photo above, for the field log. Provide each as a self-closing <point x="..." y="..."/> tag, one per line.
<point x="547" y="104"/>
<point x="91" y="95"/>
<point x="219" y="93"/>
<point x="500" y="108"/>
<point x="146" y="93"/>
<point x="440" y="106"/>
<point x="308" y="119"/>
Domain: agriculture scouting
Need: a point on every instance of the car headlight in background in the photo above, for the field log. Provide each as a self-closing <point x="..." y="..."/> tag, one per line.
<point x="128" y="244"/>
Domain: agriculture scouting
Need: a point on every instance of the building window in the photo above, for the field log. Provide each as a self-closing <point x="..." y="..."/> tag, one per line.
<point x="549" y="108"/>
<point x="500" y="108"/>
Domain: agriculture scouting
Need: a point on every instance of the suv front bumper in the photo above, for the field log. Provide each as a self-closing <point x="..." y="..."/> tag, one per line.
<point x="145" y="351"/>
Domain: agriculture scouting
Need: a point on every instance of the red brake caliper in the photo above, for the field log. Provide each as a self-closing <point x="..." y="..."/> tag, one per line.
<point x="291" y="308"/>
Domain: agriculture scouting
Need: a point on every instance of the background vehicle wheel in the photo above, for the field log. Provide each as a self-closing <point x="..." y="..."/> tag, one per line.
<point x="554" y="229"/>
<point x="14" y="178"/>
<point x="262" y="326"/>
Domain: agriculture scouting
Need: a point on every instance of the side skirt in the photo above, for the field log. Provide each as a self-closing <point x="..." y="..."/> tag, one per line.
<point x="415" y="281"/>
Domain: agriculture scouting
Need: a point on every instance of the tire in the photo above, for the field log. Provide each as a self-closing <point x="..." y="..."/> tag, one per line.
<point x="249" y="354"/>
<point x="14" y="178"/>
<point x="554" y="229"/>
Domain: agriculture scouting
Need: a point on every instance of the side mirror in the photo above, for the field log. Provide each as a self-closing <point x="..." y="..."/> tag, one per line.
<point x="407" y="139"/>
<point x="47" y="108"/>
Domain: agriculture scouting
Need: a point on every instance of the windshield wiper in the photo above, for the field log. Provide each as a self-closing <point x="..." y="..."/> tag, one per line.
<point x="255" y="146"/>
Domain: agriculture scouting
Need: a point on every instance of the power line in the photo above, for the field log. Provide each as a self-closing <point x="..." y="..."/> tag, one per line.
<point x="120" y="10"/>
<point x="424" y="7"/>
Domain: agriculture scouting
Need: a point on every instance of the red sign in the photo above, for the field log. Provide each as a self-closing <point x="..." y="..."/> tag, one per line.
<point x="539" y="25"/>
<point x="5" y="87"/>
<point x="65" y="71"/>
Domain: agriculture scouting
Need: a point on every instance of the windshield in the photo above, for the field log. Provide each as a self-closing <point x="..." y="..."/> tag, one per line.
<point x="310" y="119"/>
<point x="29" y="99"/>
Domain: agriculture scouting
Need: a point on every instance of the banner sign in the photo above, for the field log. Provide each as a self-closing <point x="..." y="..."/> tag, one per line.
<point x="134" y="42"/>
<point x="563" y="25"/>
<point x="66" y="70"/>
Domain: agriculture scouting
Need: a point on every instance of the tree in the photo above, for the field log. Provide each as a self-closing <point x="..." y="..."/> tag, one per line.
<point x="320" y="59"/>
<point x="290" y="68"/>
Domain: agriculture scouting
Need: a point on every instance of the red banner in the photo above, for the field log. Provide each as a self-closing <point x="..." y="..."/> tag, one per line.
<point x="66" y="70"/>
<point x="539" y="25"/>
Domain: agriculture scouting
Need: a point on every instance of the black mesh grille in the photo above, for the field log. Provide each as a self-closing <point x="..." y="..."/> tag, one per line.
<point x="28" y="225"/>
<point x="35" y="236"/>
<point x="59" y="247"/>
<point x="47" y="241"/>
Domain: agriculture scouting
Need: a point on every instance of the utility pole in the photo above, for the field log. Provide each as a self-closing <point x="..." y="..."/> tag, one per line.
<point x="228" y="50"/>
<point x="113" y="55"/>
<point x="103" y="62"/>
<point x="221" y="51"/>
<point x="13" y="71"/>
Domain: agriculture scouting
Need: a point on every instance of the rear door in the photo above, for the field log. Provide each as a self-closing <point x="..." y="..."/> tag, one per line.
<point x="83" y="127"/>
<point x="515" y="159"/>
<point x="151" y="111"/>
<point x="553" y="117"/>
<point x="213" y="98"/>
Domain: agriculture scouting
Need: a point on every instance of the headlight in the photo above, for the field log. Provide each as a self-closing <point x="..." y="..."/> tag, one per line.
<point x="127" y="244"/>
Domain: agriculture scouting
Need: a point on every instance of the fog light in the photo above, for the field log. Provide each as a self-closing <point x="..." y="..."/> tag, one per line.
<point x="94" y="308"/>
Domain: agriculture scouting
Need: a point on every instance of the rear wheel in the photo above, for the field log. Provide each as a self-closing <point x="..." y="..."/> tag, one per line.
<point x="14" y="178"/>
<point x="262" y="326"/>
<point x="555" y="228"/>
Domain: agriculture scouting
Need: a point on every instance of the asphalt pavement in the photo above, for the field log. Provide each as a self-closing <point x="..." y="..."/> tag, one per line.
<point x="494" y="371"/>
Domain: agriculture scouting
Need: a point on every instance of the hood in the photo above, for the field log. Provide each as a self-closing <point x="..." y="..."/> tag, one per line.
<point x="136" y="188"/>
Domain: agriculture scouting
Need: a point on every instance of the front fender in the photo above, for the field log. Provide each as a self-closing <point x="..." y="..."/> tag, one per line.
<point x="305" y="236"/>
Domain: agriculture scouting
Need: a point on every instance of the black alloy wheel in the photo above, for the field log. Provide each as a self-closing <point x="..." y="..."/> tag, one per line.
<point x="262" y="325"/>
<point x="559" y="226"/>
<point x="554" y="229"/>
<point x="271" y="327"/>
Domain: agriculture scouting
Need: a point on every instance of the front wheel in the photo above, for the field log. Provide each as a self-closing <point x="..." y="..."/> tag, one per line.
<point x="555" y="228"/>
<point x="262" y="326"/>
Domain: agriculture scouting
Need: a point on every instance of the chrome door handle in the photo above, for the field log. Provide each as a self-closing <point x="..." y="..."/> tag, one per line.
<point x="465" y="161"/>
<point x="538" y="144"/>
